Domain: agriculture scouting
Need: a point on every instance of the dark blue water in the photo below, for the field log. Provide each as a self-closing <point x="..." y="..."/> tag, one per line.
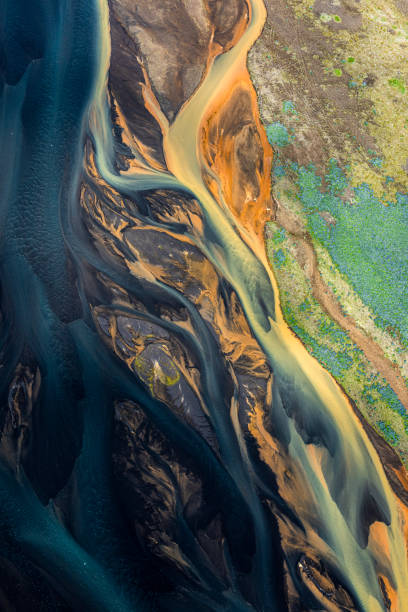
<point x="47" y="65"/>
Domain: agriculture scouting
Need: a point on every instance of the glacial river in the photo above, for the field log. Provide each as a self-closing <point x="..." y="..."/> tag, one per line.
<point x="49" y="103"/>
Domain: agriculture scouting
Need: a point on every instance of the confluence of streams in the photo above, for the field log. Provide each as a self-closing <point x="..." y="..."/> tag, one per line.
<point x="241" y="259"/>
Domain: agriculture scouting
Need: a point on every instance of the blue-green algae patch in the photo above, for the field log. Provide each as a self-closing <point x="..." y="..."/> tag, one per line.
<point x="377" y="162"/>
<point x="388" y="432"/>
<point x="278" y="134"/>
<point x="279" y="169"/>
<point x="288" y="107"/>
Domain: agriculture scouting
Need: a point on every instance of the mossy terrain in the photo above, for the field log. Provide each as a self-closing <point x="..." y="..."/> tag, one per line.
<point x="367" y="240"/>
<point x="332" y="346"/>
<point x="332" y="84"/>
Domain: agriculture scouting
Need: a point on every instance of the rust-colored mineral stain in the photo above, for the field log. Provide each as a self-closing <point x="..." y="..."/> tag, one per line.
<point x="236" y="151"/>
